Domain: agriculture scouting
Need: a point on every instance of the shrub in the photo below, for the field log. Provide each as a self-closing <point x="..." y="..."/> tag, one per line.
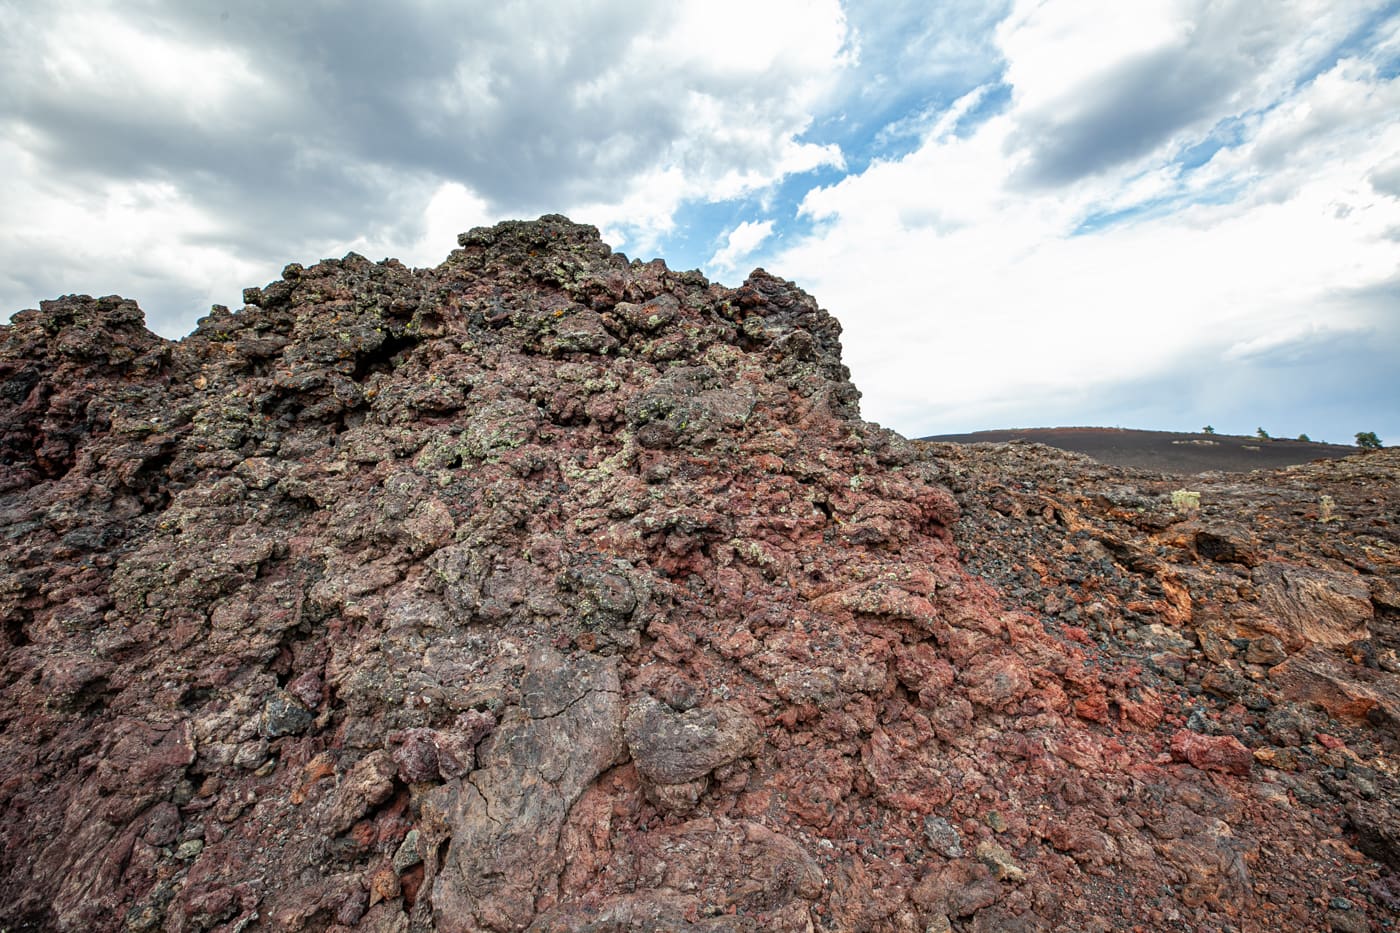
<point x="1304" y="438"/>
<point x="1367" y="440"/>
<point x="1207" y="430"/>
<point x="1186" y="500"/>
<point x="1261" y="434"/>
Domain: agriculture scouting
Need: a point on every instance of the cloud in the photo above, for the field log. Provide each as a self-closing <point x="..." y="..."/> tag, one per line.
<point x="451" y="210"/>
<point x="1098" y="85"/>
<point x="1385" y="178"/>
<point x="1328" y="384"/>
<point x="1020" y="210"/>
<point x="140" y="238"/>
<point x="304" y="130"/>
<point x="997" y="304"/>
<point x="912" y="59"/>
<point x="738" y="243"/>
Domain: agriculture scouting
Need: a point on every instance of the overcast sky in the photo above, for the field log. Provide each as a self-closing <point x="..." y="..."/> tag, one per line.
<point x="1157" y="213"/>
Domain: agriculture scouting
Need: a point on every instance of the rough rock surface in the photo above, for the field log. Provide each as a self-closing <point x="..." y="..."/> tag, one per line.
<point x="550" y="591"/>
<point x="1262" y="623"/>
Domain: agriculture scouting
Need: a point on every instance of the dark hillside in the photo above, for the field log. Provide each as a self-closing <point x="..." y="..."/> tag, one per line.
<point x="1165" y="451"/>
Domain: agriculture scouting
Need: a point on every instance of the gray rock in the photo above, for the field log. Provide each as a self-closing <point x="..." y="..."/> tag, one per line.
<point x="283" y="714"/>
<point x="943" y="837"/>
<point x="189" y="849"/>
<point x="672" y="747"/>
<point x="533" y="768"/>
<point x="407" y="854"/>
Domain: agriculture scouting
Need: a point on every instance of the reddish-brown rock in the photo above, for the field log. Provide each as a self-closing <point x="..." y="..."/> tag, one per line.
<point x="1222" y="753"/>
<point x="549" y="591"/>
<point x="1255" y="638"/>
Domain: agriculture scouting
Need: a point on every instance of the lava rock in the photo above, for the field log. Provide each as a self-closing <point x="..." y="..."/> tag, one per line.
<point x="549" y="590"/>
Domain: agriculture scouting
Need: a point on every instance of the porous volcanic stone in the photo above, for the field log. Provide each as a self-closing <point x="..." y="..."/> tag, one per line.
<point x="547" y="590"/>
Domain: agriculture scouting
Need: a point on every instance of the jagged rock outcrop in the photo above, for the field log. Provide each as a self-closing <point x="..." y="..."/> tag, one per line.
<point x="550" y="591"/>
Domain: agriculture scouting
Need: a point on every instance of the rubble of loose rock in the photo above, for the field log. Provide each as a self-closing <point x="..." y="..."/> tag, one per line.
<point x="1265" y="624"/>
<point x="547" y="590"/>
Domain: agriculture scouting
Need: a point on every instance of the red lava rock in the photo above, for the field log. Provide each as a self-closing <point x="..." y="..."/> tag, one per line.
<point x="417" y="756"/>
<point x="410" y="882"/>
<point x="1222" y="753"/>
<point x="550" y="590"/>
<point x="1093" y="708"/>
<point x="382" y="884"/>
<point x="368" y="783"/>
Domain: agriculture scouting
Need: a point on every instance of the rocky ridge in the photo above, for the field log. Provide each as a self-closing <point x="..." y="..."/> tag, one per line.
<point x="547" y="590"/>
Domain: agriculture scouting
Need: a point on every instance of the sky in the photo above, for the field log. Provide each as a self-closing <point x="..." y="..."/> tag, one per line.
<point x="1160" y="214"/>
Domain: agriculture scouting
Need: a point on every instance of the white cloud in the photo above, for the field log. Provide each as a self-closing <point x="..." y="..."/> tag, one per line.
<point x="1099" y="85"/>
<point x="112" y="62"/>
<point x="1056" y="52"/>
<point x="290" y="131"/>
<point x="133" y="238"/>
<point x="450" y="209"/>
<point x="1048" y="316"/>
<point x="1031" y="230"/>
<point x="1385" y="177"/>
<point x="743" y="81"/>
<point x="738" y="243"/>
<point x="739" y="39"/>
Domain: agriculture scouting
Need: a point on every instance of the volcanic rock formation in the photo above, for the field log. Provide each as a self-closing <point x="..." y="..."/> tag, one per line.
<point x="547" y="590"/>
